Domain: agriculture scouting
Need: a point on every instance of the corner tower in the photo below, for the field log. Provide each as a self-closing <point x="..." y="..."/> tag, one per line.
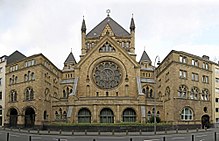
<point x="69" y="62"/>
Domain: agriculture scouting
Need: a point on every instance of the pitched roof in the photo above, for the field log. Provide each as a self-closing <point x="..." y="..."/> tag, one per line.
<point x="117" y="29"/>
<point x="70" y="59"/>
<point x="15" y="57"/>
<point x="145" y="57"/>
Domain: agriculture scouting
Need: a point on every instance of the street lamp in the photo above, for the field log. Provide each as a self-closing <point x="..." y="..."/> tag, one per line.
<point x="155" y="120"/>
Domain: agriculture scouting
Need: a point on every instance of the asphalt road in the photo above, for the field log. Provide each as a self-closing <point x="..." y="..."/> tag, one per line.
<point x="198" y="136"/>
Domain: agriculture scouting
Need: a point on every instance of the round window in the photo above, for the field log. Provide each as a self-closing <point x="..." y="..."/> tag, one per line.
<point x="107" y="75"/>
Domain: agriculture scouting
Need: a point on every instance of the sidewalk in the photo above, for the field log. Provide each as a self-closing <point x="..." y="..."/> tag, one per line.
<point x="65" y="133"/>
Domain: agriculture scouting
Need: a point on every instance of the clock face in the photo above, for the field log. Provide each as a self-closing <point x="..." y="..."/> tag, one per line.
<point x="107" y="75"/>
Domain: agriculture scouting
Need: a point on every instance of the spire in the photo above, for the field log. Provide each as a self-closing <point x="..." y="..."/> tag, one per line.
<point x="70" y="59"/>
<point x="83" y="27"/>
<point x="145" y="57"/>
<point x="132" y="25"/>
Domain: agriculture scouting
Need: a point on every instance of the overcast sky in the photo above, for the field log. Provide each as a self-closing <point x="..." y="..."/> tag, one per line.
<point x="53" y="27"/>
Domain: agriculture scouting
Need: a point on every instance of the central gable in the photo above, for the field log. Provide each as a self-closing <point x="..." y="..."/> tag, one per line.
<point x="107" y="47"/>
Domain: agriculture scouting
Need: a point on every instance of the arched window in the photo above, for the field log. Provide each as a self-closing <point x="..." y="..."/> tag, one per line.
<point x="106" y="116"/>
<point x="167" y="93"/>
<point x="67" y="91"/>
<point x="182" y="92"/>
<point x="29" y="94"/>
<point x="127" y="44"/>
<point x="32" y="76"/>
<point x="205" y="94"/>
<point x="46" y="92"/>
<point x="64" y="115"/>
<point x="57" y="115"/>
<point x="143" y="90"/>
<point x="129" y="115"/>
<point x="123" y="44"/>
<point x="158" y="113"/>
<point x="153" y="111"/>
<point x="64" y="94"/>
<point x="149" y="115"/>
<point x="151" y="93"/>
<point x="29" y="75"/>
<point x="25" y="77"/>
<point x="84" y="116"/>
<point x="194" y="93"/>
<point x="0" y="110"/>
<point x="88" y="45"/>
<point x="107" y="48"/>
<point x="186" y="114"/>
<point x="45" y="115"/>
<point x="15" y="79"/>
<point x="11" y="81"/>
<point x="147" y="92"/>
<point x="13" y="96"/>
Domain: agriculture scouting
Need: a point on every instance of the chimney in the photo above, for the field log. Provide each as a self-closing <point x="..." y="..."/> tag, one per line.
<point x="205" y="57"/>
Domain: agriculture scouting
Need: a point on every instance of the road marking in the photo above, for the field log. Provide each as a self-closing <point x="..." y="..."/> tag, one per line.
<point x="60" y="139"/>
<point x="202" y="140"/>
<point x="201" y="136"/>
<point x="36" y="138"/>
<point x="178" y="138"/>
<point x="15" y="135"/>
<point x="152" y="140"/>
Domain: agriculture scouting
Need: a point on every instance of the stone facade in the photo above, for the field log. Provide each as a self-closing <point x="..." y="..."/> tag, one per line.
<point x="184" y="85"/>
<point x="107" y="85"/>
<point x="29" y="89"/>
<point x="2" y="88"/>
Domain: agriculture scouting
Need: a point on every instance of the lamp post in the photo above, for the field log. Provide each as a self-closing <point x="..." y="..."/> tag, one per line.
<point x="155" y="120"/>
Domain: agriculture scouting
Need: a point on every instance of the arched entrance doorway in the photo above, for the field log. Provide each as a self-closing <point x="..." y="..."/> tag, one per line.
<point x="29" y="118"/>
<point x="13" y="117"/>
<point x="205" y="121"/>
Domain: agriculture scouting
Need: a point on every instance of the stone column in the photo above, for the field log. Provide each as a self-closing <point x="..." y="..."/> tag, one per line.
<point x="20" y="120"/>
<point x="143" y="114"/>
<point x="118" y="115"/>
<point x="95" y="116"/>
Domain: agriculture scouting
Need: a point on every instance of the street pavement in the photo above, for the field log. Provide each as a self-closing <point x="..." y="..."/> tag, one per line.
<point x="24" y="135"/>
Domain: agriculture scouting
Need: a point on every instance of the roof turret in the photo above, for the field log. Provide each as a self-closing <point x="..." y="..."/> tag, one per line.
<point x="145" y="57"/>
